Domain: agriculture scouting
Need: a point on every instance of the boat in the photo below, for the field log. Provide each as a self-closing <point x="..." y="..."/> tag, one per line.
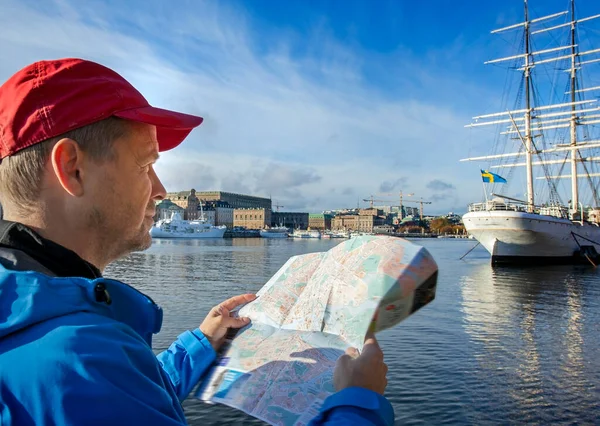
<point x="300" y="233"/>
<point x="548" y="130"/>
<point x="176" y="227"/>
<point x="275" y="232"/>
<point x="340" y="234"/>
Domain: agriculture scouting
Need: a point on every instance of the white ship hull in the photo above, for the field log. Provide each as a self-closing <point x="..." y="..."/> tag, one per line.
<point x="215" y="232"/>
<point x="518" y="237"/>
<point x="271" y="234"/>
<point x="306" y="234"/>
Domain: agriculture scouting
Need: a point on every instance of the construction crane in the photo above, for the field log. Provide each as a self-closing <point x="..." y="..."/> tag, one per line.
<point x="396" y="194"/>
<point x="372" y="200"/>
<point x="277" y="206"/>
<point x="421" y="202"/>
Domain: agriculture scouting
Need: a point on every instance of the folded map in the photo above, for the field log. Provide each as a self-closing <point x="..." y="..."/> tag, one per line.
<point x="280" y="367"/>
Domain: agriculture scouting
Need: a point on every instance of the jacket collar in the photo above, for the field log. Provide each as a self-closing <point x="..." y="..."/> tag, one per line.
<point x="58" y="259"/>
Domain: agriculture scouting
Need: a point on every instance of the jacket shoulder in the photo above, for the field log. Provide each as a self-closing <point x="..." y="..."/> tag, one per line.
<point x="84" y="368"/>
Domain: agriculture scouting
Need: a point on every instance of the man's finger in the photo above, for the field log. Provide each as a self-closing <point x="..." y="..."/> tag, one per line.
<point x="236" y="301"/>
<point x="370" y="336"/>
<point x="235" y="322"/>
<point x="344" y="360"/>
<point x="371" y="348"/>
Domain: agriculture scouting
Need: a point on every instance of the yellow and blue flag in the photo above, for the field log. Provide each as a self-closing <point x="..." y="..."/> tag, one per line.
<point x="491" y="177"/>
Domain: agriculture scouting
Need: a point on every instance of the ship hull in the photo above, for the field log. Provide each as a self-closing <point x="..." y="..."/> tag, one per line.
<point x="266" y="234"/>
<point x="526" y="238"/>
<point x="209" y="233"/>
<point x="307" y="234"/>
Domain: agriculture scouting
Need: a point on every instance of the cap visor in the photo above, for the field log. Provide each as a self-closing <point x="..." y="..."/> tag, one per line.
<point x="171" y="127"/>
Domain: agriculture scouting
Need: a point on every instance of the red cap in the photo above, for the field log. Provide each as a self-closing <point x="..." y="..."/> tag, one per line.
<point x="49" y="98"/>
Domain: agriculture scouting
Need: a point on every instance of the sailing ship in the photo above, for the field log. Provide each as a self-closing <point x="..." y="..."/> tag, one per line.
<point x="552" y="132"/>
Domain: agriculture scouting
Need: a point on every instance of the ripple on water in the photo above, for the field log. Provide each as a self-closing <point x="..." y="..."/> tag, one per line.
<point x="498" y="345"/>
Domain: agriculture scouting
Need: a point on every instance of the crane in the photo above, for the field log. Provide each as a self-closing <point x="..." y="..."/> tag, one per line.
<point x="421" y="202"/>
<point x="277" y="206"/>
<point x="401" y="207"/>
<point x="372" y="200"/>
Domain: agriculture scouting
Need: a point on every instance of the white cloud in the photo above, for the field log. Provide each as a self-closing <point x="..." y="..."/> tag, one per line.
<point x="272" y="118"/>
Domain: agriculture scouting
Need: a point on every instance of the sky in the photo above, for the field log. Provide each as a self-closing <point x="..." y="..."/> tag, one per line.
<point x="318" y="104"/>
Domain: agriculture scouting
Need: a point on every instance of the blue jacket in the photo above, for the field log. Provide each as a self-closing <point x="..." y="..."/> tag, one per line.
<point x="68" y="357"/>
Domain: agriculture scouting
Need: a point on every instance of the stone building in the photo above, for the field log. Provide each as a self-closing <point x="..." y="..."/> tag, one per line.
<point x="364" y="221"/>
<point x="209" y="214"/>
<point x="252" y="218"/>
<point x="320" y="221"/>
<point x="411" y="211"/>
<point x="188" y="201"/>
<point x="237" y="201"/>
<point x="165" y="208"/>
<point x="223" y="204"/>
<point x="223" y="213"/>
<point x="345" y="221"/>
<point x="292" y="220"/>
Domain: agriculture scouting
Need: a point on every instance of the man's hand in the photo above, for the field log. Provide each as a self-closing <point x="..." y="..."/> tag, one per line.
<point x="366" y="370"/>
<point x="218" y="320"/>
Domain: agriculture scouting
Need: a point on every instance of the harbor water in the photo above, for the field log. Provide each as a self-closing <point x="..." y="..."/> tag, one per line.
<point x="496" y="346"/>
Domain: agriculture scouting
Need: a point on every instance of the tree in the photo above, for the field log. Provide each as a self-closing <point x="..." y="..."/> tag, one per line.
<point x="438" y="224"/>
<point x="445" y="230"/>
<point x="458" y="229"/>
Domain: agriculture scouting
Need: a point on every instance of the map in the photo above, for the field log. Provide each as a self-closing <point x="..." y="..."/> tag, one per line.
<point x="280" y="367"/>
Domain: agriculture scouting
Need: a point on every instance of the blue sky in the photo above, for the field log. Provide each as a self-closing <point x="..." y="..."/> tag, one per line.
<point x="318" y="104"/>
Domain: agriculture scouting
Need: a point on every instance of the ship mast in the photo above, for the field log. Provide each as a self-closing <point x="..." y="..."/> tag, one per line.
<point x="568" y="115"/>
<point x="573" y="127"/>
<point x="528" y="138"/>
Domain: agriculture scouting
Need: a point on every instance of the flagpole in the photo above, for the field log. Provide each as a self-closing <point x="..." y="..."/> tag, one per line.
<point x="484" y="192"/>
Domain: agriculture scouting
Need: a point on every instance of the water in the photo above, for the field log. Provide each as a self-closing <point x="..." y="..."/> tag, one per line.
<point x="498" y="345"/>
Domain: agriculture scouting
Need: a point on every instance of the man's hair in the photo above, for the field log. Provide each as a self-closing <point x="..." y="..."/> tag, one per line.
<point x="21" y="174"/>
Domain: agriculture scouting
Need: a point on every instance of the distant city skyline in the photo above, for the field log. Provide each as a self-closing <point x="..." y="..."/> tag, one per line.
<point x="317" y="104"/>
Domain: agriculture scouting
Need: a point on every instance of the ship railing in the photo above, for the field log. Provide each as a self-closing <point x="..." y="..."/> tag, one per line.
<point x="495" y="206"/>
<point x="556" y="211"/>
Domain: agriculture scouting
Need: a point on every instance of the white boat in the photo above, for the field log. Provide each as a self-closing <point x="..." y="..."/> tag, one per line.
<point x="340" y="234"/>
<point x="300" y="233"/>
<point x="553" y="137"/>
<point x="275" y="232"/>
<point x="176" y="227"/>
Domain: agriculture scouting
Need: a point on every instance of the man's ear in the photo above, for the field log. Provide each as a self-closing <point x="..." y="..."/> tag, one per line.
<point x="67" y="163"/>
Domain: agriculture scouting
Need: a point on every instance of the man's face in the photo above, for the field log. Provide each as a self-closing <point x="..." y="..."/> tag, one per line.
<point x="124" y="193"/>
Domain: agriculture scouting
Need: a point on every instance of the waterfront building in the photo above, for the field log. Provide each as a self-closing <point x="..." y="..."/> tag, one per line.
<point x="165" y="208"/>
<point x="237" y="201"/>
<point x="209" y="214"/>
<point x="223" y="212"/>
<point x="187" y="200"/>
<point x="320" y="221"/>
<point x="292" y="220"/>
<point x="257" y="218"/>
<point x="364" y="221"/>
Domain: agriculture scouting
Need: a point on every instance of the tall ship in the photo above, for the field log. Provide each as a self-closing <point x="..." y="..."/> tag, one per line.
<point x="275" y="232"/>
<point x="546" y="143"/>
<point x="176" y="227"/>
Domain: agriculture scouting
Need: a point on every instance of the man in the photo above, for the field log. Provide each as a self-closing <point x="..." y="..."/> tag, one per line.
<point x="77" y="185"/>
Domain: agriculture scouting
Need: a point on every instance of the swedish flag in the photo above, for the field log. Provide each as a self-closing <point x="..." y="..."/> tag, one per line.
<point x="491" y="177"/>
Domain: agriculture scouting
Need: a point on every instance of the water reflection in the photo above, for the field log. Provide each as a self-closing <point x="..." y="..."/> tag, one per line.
<point x="529" y="324"/>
